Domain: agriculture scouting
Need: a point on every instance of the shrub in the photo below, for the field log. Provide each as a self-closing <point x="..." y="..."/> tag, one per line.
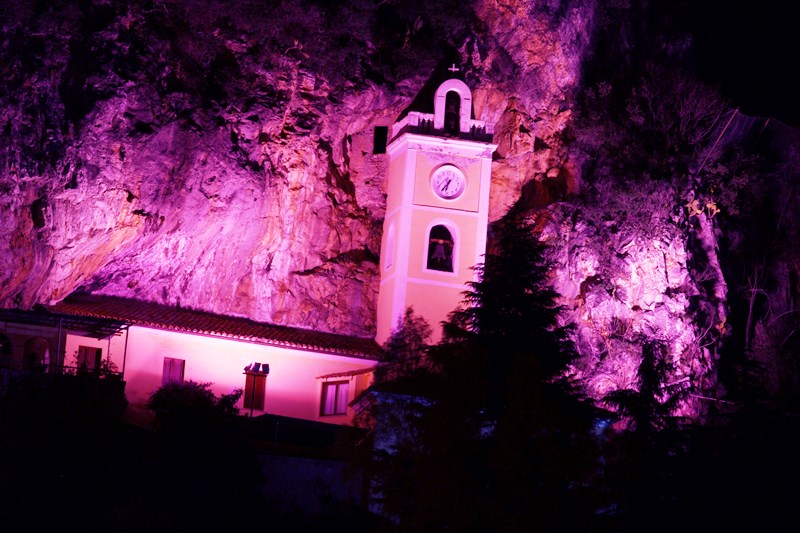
<point x="192" y="405"/>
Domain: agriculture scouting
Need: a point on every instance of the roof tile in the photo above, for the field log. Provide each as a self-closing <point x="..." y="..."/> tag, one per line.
<point x="160" y="316"/>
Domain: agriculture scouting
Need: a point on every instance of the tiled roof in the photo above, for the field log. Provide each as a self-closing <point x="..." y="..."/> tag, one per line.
<point x="159" y="316"/>
<point x="98" y="328"/>
<point x="347" y="374"/>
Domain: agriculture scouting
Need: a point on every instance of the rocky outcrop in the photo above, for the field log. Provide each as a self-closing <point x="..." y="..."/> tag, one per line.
<point x="187" y="154"/>
<point x="623" y="286"/>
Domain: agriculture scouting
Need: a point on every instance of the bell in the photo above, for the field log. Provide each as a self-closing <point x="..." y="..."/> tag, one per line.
<point x="438" y="253"/>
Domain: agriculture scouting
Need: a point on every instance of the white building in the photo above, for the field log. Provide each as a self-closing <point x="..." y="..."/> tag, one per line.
<point x="439" y="173"/>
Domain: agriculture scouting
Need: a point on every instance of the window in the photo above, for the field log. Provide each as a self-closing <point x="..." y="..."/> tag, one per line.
<point x="440" y="249"/>
<point x="36" y="352"/>
<point x="255" y="387"/>
<point x="173" y="370"/>
<point x="89" y="357"/>
<point x="380" y="137"/>
<point x="334" y="398"/>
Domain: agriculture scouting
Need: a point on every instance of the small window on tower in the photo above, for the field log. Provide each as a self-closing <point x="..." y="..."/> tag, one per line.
<point x="379" y="141"/>
<point x="440" y="249"/>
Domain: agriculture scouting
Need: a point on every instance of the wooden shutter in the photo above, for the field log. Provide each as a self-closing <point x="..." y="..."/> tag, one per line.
<point x="255" y="387"/>
<point x="173" y="370"/>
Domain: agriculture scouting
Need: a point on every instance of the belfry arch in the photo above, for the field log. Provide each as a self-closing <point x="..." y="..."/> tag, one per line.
<point x="441" y="244"/>
<point x="452" y="90"/>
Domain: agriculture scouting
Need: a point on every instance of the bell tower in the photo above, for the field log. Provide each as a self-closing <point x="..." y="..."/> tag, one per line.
<point x="437" y="209"/>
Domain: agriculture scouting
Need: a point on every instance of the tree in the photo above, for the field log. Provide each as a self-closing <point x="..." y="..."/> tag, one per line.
<point x="406" y="349"/>
<point x="651" y="408"/>
<point x="495" y="421"/>
<point x="390" y="410"/>
<point x="190" y="406"/>
<point x="644" y="460"/>
<point x="540" y="450"/>
<point x="512" y="308"/>
<point x="201" y="438"/>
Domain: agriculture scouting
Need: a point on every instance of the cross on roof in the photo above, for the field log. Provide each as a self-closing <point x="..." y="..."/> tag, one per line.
<point x="454" y="68"/>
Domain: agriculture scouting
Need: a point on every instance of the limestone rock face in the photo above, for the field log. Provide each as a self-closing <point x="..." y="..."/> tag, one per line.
<point x="185" y="153"/>
<point x="623" y="287"/>
<point x="189" y="154"/>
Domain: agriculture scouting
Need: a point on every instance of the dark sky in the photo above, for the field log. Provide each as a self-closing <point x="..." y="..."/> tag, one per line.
<point x="752" y="51"/>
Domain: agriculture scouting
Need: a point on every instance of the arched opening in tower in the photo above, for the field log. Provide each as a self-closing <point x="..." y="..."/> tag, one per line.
<point x="440" y="249"/>
<point x="452" y="112"/>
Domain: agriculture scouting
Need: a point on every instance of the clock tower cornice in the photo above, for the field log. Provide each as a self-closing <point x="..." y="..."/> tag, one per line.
<point x="428" y="143"/>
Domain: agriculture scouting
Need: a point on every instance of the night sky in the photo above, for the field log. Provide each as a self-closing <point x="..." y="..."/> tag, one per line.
<point x="750" y="50"/>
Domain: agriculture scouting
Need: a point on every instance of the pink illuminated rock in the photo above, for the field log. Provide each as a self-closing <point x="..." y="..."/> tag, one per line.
<point x="621" y="289"/>
<point x="231" y="168"/>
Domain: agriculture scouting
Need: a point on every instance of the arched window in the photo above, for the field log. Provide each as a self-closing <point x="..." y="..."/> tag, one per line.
<point x="440" y="249"/>
<point x="452" y="112"/>
<point x="36" y="352"/>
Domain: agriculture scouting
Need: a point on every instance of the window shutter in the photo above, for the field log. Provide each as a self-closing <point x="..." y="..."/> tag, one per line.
<point x="173" y="370"/>
<point x="342" y="391"/>
<point x="255" y="386"/>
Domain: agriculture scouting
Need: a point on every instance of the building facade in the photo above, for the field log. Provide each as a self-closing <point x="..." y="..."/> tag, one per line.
<point x="437" y="186"/>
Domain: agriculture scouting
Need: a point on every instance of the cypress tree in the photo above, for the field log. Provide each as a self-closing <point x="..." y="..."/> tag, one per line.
<point x="504" y="359"/>
<point x="495" y="436"/>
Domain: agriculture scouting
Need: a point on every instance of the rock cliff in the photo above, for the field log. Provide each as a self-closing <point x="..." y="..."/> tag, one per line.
<point x="188" y="153"/>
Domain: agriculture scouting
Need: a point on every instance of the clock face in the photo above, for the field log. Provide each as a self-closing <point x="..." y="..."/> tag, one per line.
<point x="448" y="182"/>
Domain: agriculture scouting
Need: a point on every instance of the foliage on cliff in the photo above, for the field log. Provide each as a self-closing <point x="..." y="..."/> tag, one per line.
<point x="664" y="160"/>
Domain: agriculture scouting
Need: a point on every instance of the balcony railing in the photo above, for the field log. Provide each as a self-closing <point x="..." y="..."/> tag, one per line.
<point x="16" y="366"/>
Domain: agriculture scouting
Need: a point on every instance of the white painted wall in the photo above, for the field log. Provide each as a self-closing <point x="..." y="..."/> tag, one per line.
<point x="294" y="387"/>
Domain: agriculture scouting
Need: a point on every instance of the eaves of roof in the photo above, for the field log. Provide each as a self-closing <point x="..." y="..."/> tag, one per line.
<point x="159" y="316"/>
